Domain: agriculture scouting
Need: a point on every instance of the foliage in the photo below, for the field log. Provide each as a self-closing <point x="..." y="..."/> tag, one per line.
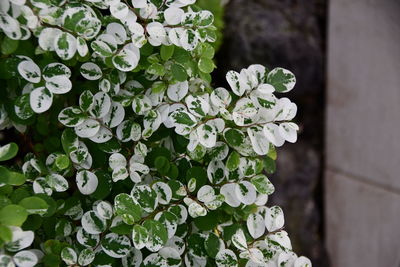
<point x="134" y="158"/>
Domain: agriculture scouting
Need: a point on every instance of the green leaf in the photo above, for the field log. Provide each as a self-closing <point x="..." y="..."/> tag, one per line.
<point x="162" y="165"/>
<point x="179" y="72"/>
<point x="34" y="205"/>
<point x="158" y="87"/>
<point x="206" y="65"/>
<point x="212" y="245"/>
<point x="166" y="52"/>
<point x="282" y="80"/>
<point x="5" y="234"/>
<point x="157" y="235"/>
<point x="208" y="222"/>
<point x="263" y="184"/>
<point x="269" y="165"/>
<point x="233" y="161"/>
<point x="62" y="162"/>
<point x="126" y="207"/>
<point x="140" y="236"/>
<point x="8" y="151"/>
<point x="234" y="137"/>
<point x="14" y="215"/>
<point x="8" y="46"/>
<point x="11" y="177"/>
<point x="156" y="69"/>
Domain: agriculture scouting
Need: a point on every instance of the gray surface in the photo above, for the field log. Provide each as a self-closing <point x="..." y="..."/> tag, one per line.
<point x="363" y="111"/>
<point x="362" y="223"/>
<point x="362" y="184"/>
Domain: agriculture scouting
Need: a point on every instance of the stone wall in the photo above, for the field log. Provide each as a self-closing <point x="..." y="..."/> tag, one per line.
<point x="362" y="182"/>
<point x="289" y="34"/>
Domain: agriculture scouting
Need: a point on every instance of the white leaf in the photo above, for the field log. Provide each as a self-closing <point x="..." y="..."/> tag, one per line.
<point x="244" y="112"/>
<point x="118" y="31"/>
<point x="206" y="194"/>
<point x="216" y="171"/>
<point x="103" y="135"/>
<point x="91" y="71"/>
<point x="197" y="105"/>
<point x="59" y="84"/>
<point x="239" y="240"/>
<point x="20" y="239"/>
<point x="177" y="91"/>
<point x="258" y="140"/>
<point x="25" y="258"/>
<point x="88" y="128"/>
<point x="220" y="97"/>
<point x="29" y="71"/>
<point x="207" y="135"/>
<point x="139" y="3"/>
<point x="196" y="210"/>
<point x="164" y="192"/>
<point x="87" y="182"/>
<point x="236" y="83"/>
<point x="189" y="39"/>
<point x="57" y="182"/>
<point x="274" y="219"/>
<point x="117" y="160"/>
<point x="69" y="256"/>
<point x="246" y="192"/>
<point x="47" y="37"/>
<point x="101" y="106"/>
<point x="126" y="60"/>
<point x="228" y="191"/>
<point x="288" y="130"/>
<point x="40" y="99"/>
<point x="115" y="116"/>
<point x="302" y="262"/>
<point x="255" y="225"/>
<point x="272" y="133"/>
<point x="119" y="10"/>
<point x="173" y="15"/>
<point x="81" y="46"/>
<point x="157" y="33"/>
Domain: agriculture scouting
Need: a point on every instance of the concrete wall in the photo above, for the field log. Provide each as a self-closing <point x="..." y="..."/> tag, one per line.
<point x="362" y="178"/>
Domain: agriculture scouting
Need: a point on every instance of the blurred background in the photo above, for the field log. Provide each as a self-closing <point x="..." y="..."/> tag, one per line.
<point x="339" y="185"/>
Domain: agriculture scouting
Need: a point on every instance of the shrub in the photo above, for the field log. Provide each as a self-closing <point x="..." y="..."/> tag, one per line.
<point x="128" y="154"/>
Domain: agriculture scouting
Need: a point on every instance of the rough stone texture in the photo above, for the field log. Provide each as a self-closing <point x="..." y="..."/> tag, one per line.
<point x="362" y="183"/>
<point x="289" y="34"/>
<point x="361" y="223"/>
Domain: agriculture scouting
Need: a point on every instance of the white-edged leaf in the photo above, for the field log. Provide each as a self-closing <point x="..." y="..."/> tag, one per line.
<point x="57" y="182"/>
<point x="246" y="192"/>
<point x="87" y="182"/>
<point x="65" y="45"/>
<point x="40" y="99"/>
<point x="197" y="105"/>
<point x="216" y="171"/>
<point x="92" y="223"/>
<point x="255" y="225"/>
<point x="20" y="239"/>
<point x="104" y="209"/>
<point x="115" y="116"/>
<point x="29" y="71"/>
<point x="91" y="71"/>
<point x="226" y="258"/>
<point x="60" y="84"/>
<point x="126" y="60"/>
<point x="177" y="91"/>
<point x="274" y="219"/>
<point x="86" y="257"/>
<point x="140" y="236"/>
<point x="116" y="246"/>
<point x="88" y="128"/>
<point x="101" y="106"/>
<point x="164" y="192"/>
<point x="239" y="240"/>
<point x="25" y="258"/>
<point x="281" y="79"/>
<point x="69" y="256"/>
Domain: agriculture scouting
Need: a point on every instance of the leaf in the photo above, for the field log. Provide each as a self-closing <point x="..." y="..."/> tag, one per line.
<point x="126" y="60"/>
<point x="57" y="182"/>
<point x="206" y="194"/>
<point x="196" y="210"/>
<point x="119" y="10"/>
<point x="206" y="65"/>
<point x="25" y="258"/>
<point x="157" y="235"/>
<point x="40" y="99"/>
<point x="140" y="236"/>
<point x="59" y="84"/>
<point x="86" y="100"/>
<point x="164" y="192"/>
<point x="288" y="130"/>
<point x="34" y="205"/>
<point x="263" y="184"/>
<point x="71" y="117"/>
<point x="274" y="219"/>
<point x="87" y="182"/>
<point x="179" y="73"/>
<point x="8" y="46"/>
<point x="91" y="71"/>
<point x="20" y="239"/>
<point x="197" y="105"/>
<point x="22" y="107"/>
<point x="236" y="82"/>
<point x="115" y="116"/>
<point x="226" y="258"/>
<point x="177" y="91"/>
<point x="69" y="256"/>
<point x="239" y="240"/>
<point x="8" y="151"/>
<point x="146" y="196"/>
<point x="216" y="171"/>
<point x="116" y="246"/>
<point x="92" y="223"/>
<point x="302" y="262"/>
<point x="166" y="51"/>
<point x="101" y="106"/>
<point x="86" y="239"/>
<point x="14" y="215"/>
<point x="86" y="257"/>
<point x="56" y="69"/>
<point x="258" y="140"/>
<point x="244" y="112"/>
<point x="213" y="245"/>
<point x="104" y="209"/>
<point x="126" y="207"/>
<point x="246" y="192"/>
<point x="255" y="225"/>
<point x="65" y="45"/>
<point x="233" y="161"/>
<point x="29" y="71"/>
<point x="282" y="80"/>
